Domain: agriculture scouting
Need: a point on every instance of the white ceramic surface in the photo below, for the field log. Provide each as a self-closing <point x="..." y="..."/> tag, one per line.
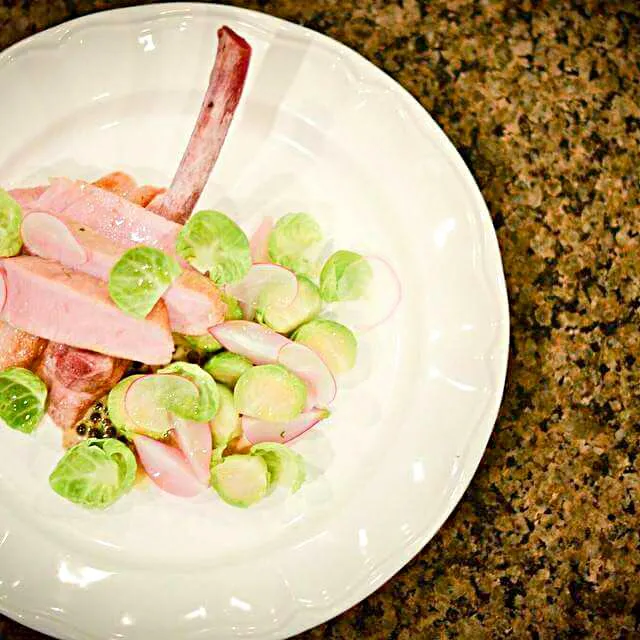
<point x="319" y="130"/>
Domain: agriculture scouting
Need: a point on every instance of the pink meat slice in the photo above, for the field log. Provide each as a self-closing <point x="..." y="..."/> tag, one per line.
<point x="27" y="196"/>
<point x="18" y="348"/>
<point x="75" y="379"/>
<point x="145" y="194"/>
<point x="51" y="301"/>
<point x="108" y="214"/>
<point x="218" y="107"/>
<point x="193" y="301"/>
<point x="117" y="182"/>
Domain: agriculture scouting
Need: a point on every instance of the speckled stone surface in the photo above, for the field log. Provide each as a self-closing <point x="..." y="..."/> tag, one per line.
<point x="543" y="101"/>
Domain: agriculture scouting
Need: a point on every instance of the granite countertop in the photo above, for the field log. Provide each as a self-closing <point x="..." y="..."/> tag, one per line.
<point x="544" y="106"/>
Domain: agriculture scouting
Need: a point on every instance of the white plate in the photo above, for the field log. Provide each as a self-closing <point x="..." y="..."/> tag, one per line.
<point x="319" y="130"/>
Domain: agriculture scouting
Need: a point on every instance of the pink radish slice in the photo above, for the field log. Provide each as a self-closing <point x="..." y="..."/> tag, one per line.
<point x="383" y="298"/>
<point x="309" y="366"/>
<point x="47" y="236"/>
<point x="167" y="467"/>
<point x="149" y="398"/>
<point x="249" y="339"/>
<point x="283" y="281"/>
<point x="259" y="243"/>
<point x="194" y="440"/>
<point x="262" y="431"/>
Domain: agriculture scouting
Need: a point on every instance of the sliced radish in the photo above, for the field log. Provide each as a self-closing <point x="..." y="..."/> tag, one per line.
<point x="259" y="243"/>
<point x="262" y="431"/>
<point x="167" y="467"/>
<point x="149" y="399"/>
<point x="249" y="339"/>
<point x="46" y="236"/>
<point x="383" y="298"/>
<point x="194" y="440"/>
<point x="310" y="367"/>
<point x="282" y="283"/>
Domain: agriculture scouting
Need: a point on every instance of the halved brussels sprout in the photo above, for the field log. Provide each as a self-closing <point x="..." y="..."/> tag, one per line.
<point x="95" y="473"/>
<point x="332" y="341"/>
<point x="213" y="243"/>
<point x="139" y="279"/>
<point x="345" y="276"/>
<point x="227" y="367"/>
<point x="270" y="392"/>
<point x="284" y="319"/>
<point x="292" y="242"/>
<point x="226" y="424"/>
<point x="202" y="344"/>
<point x="10" y="223"/>
<point x="286" y="467"/>
<point x="22" y="399"/>
<point x="241" y="480"/>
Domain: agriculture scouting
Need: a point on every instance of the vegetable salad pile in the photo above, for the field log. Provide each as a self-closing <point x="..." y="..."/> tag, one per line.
<point x="223" y="413"/>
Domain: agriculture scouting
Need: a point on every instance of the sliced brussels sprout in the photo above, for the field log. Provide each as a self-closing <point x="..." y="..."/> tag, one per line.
<point x="345" y="276"/>
<point x="270" y="392"/>
<point x="22" y="399"/>
<point x="284" y="319"/>
<point x="117" y="410"/>
<point x="202" y="344"/>
<point x="95" y="473"/>
<point x="213" y="243"/>
<point x="227" y="367"/>
<point x="10" y="222"/>
<point x="234" y="312"/>
<point x="286" y="467"/>
<point x="226" y="425"/>
<point x="332" y="341"/>
<point x="216" y="458"/>
<point x="293" y="241"/>
<point x="207" y="404"/>
<point x="241" y="480"/>
<point x="139" y="279"/>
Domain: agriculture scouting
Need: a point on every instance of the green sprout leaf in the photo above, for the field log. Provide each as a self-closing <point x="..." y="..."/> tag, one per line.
<point x="95" y="473"/>
<point x="213" y="243"/>
<point x="293" y="241"/>
<point x="22" y="399"/>
<point x="140" y="278"/>
<point x="345" y="276"/>
<point x="10" y="222"/>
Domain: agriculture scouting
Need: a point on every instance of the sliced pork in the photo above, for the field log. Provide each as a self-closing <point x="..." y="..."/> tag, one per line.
<point x="108" y="214"/>
<point x="145" y="194"/>
<point x="51" y="301"/>
<point x="75" y="379"/>
<point x="218" y="107"/>
<point x="18" y="348"/>
<point x="193" y="301"/>
<point x="117" y="182"/>
<point x="27" y="196"/>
